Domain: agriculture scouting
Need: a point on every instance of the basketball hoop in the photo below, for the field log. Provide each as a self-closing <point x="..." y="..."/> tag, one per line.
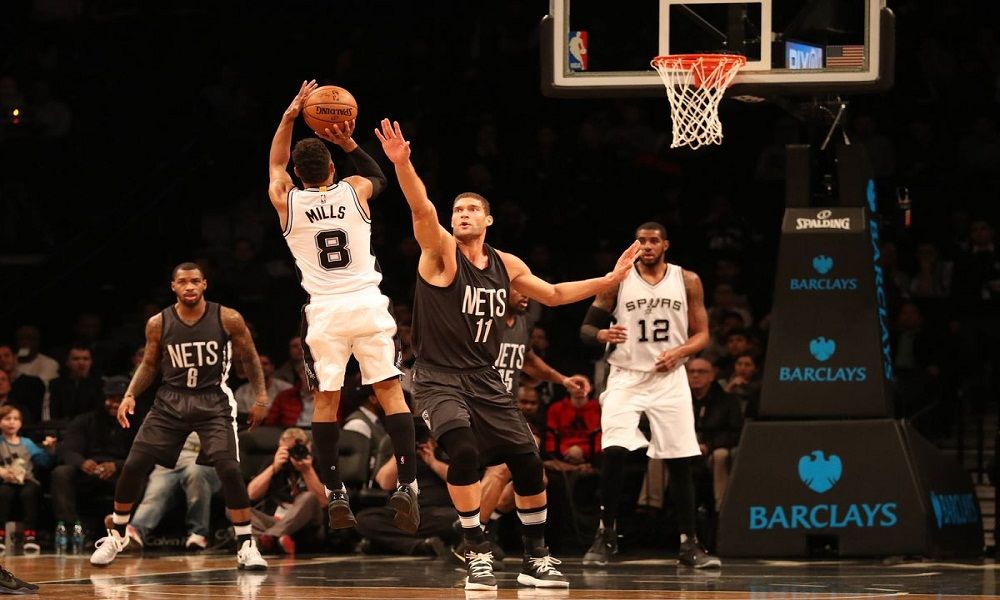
<point x="695" y="84"/>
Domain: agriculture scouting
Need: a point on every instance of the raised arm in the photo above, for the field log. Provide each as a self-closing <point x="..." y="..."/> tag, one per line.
<point x="281" y="150"/>
<point x="437" y="246"/>
<point x="145" y="373"/>
<point x="244" y="348"/>
<point x="366" y="177"/>
<point x="555" y="294"/>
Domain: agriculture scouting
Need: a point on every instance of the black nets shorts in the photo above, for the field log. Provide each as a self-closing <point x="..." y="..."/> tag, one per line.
<point x="477" y="399"/>
<point x="175" y="414"/>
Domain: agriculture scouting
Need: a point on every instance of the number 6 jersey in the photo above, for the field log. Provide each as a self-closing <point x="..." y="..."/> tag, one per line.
<point x="330" y="235"/>
<point x="195" y="357"/>
<point x="656" y="317"/>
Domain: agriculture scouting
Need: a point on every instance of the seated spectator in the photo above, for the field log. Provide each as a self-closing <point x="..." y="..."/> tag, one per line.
<point x="245" y="395"/>
<point x="573" y="421"/>
<point x="292" y="407"/>
<point x="436" y="511"/>
<point x="718" y="422"/>
<point x="745" y="383"/>
<point x="529" y="405"/>
<point x="917" y="360"/>
<point x="29" y="357"/>
<point x="717" y="344"/>
<point x="287" y="494"/>
<point x="92" y="452"/>
<point x="288" y="372"/>
<point x="26" y="391"/>
<point x="196" y="482"/>
<point x="725" y="300"/>
<point x="933" y="276"/>
<point x="19" y="457"/>
<point x="77" y="390"/>
<point x="737" y="342"/>
<point x="362" y="429"/>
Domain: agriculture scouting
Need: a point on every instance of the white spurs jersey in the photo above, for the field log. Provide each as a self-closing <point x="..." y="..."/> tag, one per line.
<point x="330" y="237"/>
<point x="656" y="317"/>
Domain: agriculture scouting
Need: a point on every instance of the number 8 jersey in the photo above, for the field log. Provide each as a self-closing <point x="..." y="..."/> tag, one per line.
<point x="330" y="236"/>
<point x="656" y="317"/>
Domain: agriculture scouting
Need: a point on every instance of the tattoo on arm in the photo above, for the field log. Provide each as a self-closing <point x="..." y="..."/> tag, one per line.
<point x="236" y="327"/>
<point x="145" y="373"/>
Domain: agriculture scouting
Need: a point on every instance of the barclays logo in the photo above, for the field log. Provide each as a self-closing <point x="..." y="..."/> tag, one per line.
<point x="954" y="509"/>
<point x="820" y="473"/>
<point x="822" y="264"/>
<point x="822" y="348"/>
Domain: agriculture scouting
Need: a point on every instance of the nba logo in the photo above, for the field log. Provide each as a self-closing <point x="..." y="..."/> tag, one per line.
<point x="577" y="45"/>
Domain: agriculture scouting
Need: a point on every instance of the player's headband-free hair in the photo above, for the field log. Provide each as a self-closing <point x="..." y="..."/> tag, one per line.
<point x="653" y="225"/>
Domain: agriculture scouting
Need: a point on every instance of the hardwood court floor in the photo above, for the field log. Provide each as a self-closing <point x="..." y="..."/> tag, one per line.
<point x="391" y="578"/>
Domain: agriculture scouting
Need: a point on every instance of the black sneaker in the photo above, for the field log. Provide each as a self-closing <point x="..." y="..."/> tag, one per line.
<point x="479" y="560"/>
<point x="404" y="502"/>
<point x="538" y="569"/>
<point x="692" y="554"/>
<point x="9" y="584"/>
<point x="341" y="516"/>
<point x="604" y="547"/>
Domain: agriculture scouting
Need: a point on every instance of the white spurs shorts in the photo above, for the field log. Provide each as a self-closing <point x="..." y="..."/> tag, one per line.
<point x="666" y="400"/>
<point x="358" y="323"/>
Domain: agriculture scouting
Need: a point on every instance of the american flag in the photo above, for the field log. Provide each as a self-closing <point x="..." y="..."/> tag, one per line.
<point x="845" y="57"/>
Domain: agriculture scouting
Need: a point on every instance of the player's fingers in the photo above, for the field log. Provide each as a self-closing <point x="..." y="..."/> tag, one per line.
<point x="395" y="126"/>
<point x="378" y="134"/>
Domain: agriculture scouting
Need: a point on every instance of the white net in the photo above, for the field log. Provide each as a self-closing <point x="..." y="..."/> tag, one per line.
<point x="695" y="85"/>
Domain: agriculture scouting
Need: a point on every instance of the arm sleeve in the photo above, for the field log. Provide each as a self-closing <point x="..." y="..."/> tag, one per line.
<point x="596" y="319"/>
<point x="366" y="167"/>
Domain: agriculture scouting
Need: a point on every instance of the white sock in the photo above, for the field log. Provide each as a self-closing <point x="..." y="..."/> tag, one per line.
<point x="243" y="530"/>
<point x="684" y="537"/>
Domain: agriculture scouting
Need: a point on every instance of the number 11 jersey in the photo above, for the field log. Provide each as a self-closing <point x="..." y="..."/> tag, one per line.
<point x="330" y="236"/>
<point x="656" y="317"/>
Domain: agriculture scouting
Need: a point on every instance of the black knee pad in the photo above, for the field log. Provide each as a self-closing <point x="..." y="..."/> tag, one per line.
<point x="463" y="456"/>
<point x="528" y="473"/>
<point x="233" y="489"/>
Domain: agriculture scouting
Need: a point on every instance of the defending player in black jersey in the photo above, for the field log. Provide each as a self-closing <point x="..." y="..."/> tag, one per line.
<point x="191" y="343"/>
<point x="462" y="295"/>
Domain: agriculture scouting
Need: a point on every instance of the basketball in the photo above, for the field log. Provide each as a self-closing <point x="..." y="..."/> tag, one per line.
<point x="327" y="105"/>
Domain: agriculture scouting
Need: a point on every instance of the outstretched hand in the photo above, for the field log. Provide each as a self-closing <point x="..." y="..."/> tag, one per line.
<point x="395" y="146"/>
<point x="625" y="262"/>
<point x="305" y="89"/>
<point x="126" y="408"/>
<point x="340" y="134"/>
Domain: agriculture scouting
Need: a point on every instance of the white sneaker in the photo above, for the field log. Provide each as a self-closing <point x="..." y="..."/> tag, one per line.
<point x="249" y="557"/>
<point x="196" y="541"/>
<point x="108" y="548"/>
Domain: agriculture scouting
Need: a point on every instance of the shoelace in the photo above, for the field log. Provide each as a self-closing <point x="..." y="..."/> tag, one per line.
<point x="108" y="539"/>
<point x="543" y="564"/>
<point x="480" y="563"/>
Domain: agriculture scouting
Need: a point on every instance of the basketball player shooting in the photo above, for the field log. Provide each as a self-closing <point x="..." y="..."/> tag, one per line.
<point x="328" y="229"/>
<point x="462" y="295"/>
<point x="191" y="343"/>
<point x="660" y="322"/>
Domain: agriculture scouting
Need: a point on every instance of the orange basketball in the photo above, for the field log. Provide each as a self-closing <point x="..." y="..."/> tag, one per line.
<point x="329" y="104"/>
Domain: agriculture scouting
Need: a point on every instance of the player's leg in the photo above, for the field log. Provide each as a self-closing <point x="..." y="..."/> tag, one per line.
<point x="498" y="500"/>
<point x="673" y="438"/>
<point x="465" y="490"/>
<point x="159" y="440"/>
<point x="376" y="349"/>
<point x="538" y="566"/>
<point x="621" y="408"/>
<point x="325" y="351"/>
<point x="220" y="444"/>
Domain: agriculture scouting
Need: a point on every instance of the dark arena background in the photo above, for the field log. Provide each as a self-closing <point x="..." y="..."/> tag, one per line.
<point x="843" y="231"/>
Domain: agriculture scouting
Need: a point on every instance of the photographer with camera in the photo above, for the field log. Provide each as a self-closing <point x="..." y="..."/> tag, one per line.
<point x="287" y="495"/>
<point x="436" y="511"/>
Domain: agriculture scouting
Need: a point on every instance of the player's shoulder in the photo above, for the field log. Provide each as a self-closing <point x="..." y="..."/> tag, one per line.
<point x="689" y="277"/>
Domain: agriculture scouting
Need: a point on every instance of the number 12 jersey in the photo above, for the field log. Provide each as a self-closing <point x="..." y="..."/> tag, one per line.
<point x="655" y="315"/>
<point x="330" y="235"/>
